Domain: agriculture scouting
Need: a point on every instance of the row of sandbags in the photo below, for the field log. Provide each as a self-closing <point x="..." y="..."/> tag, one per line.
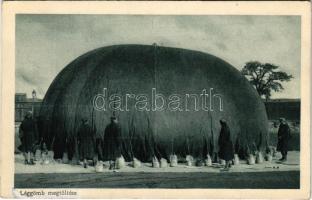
<point x="190" y="161"/>
<point x="258" y="158"/>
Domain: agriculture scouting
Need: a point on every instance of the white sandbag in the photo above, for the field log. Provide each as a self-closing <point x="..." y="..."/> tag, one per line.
<point x="65" y="158"/>
<point x="95" y="159"/>
<point x="155" y="162"/>
<point x="236" y="159"/>
<point x="99" y="167"/>
<point x="163" y="163"/>
<point x="189" y="160"/>
<point x="173" y="160"/>
<point x="251" y="160"/>
<point x="269" y="157"/>
<point x="45" y="158"/>
<point x="38" y="155"/>
<point x="136" y="163"/>
<point x="208" y="161"/>
<point x="200" y="163"/>
<point x="80" y="163"/>
<point x="91" y="162"/>
<point x="51" y="156"/>
<point x="222" y="162"/>
<point x="259" y="158"/>
<point x="74" y="161"/>
<point x="120" y="162"/>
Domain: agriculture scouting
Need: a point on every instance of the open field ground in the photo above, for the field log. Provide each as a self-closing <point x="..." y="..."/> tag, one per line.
<point x="234" y="180"/>
<point x="56" y="175"/>
<point x="55" y="167"/>
<point x="268" y="175"/>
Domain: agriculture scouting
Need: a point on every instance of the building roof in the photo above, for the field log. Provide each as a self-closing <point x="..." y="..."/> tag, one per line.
<point x="282" y="100"/>
<point x="25" y="99"/>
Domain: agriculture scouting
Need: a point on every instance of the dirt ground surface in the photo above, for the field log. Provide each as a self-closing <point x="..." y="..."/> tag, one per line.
<point x="291" y="165"/>
<point x="269" y="175"/>
<point x="235" y="180"/>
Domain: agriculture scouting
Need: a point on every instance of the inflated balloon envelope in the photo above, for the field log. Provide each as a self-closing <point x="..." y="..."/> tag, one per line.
<point x="138" y="69"/>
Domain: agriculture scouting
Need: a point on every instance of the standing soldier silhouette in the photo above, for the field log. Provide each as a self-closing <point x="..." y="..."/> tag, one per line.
<point x="29" y="135"/>
<point x="112" y="142"/>
<point x="86" y="142"/>
<point x="283" y="138"/>
<point x="226" y="150"/>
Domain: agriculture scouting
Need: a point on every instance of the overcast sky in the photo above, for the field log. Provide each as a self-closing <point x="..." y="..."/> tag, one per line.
<point x="47" y="43"/>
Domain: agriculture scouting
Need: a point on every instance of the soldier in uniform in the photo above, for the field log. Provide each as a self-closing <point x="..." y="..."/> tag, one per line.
<point x="29" y="136"/>
<point x="226" y="150"/>
<point x="283" y="138"/>
<point x="112" y="142"/>
<point x="86" y="141"/>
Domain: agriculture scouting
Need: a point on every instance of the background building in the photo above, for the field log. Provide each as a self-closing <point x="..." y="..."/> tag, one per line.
<point x="287" y="108"/>
<point x="24" y="104"/>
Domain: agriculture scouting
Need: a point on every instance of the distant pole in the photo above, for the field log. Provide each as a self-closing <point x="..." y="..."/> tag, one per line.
<point x="33" y="102"/>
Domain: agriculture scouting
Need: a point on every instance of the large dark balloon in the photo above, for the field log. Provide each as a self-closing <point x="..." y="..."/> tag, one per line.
<point x="137" y="69"/>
